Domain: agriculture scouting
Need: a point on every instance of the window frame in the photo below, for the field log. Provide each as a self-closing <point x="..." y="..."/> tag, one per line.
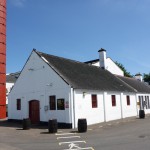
<point x="52" y="102"/>
<point x="128" y="100"/>
<point x="18" y="104"/>
<point x="62" y="106"/>
<point x="94" y="101"/>
<point x="148" y="102"/>
<point x="113" y="100"/>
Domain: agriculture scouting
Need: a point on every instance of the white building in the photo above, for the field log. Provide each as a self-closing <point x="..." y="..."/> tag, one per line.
<point x="51" y="87"/>
<point x="106" y="63"/>
<point x="142" y="91"/>
<point x="137" y="83"/>
<point x="10" y="81"/>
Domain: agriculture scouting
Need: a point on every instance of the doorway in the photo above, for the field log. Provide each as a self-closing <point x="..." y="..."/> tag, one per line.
<point x="34" y="111"/>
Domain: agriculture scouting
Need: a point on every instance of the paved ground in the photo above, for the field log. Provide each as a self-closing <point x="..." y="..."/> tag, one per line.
<point x="127" y="134"/>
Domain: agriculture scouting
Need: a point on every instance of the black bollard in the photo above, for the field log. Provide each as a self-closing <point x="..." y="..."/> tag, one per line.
<point x="141" y="114"/>
<point x="52" y="126"/>
<point x="26" y="124"/>
<point x="82" y="125"/>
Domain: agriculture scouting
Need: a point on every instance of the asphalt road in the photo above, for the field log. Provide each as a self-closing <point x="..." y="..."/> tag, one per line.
<point x="128" y="134"/>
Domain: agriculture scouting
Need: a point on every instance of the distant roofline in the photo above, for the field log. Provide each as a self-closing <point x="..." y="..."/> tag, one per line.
<point x="91" y="61"/>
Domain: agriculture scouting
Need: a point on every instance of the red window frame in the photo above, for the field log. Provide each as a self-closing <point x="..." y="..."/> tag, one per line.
<point x="18" y="104"/>
<point x="94" y="101"/>
<point x="113" y="99"/>
<point x="52" y="102"/>
<point x="128" y="100"/>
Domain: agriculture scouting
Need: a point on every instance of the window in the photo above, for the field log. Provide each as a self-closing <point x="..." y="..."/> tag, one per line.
<point x="141" y="100"/>
<point x="52" y="102"/>
<point x="148" y="102"/>
<point x="113" y="98"/>
<point x="94" y="101"/>
<point x="128" y="100"/>
<point x="60" y="104"/>
<point x="18" y="104"/>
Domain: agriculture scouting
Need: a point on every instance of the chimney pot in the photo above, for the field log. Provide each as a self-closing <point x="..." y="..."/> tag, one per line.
<point x="101" y="50"/>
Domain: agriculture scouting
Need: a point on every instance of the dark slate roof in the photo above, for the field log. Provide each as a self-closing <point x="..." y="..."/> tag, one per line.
<point x="83" y="76"/>
<point x="12" y="77"/>
<point x="141" y="87"/>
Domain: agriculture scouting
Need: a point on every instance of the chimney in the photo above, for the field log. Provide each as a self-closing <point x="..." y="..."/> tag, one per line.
<point x="139" y="77"/>
<point x="102" y="58"/>
<point x="2" y="59"/>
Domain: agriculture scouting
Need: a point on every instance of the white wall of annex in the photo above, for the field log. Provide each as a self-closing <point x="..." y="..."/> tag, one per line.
<point x="37" y="82"/>
<point x="111" y="67"/>
<point x="8" y="87"/>
<point x="129" y="110"/>
<point x="83" y="107"/>
<point x="113" y="112"/>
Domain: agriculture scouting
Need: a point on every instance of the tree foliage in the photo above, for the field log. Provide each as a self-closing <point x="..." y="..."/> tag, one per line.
<point x="126" y="73"/>
<point x="147" y="78"/>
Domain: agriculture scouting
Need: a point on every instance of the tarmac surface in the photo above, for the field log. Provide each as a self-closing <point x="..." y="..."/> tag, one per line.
<point x="125" y="134"/>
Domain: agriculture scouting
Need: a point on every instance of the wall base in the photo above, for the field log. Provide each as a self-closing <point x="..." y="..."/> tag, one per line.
<point x="60" y="124"/>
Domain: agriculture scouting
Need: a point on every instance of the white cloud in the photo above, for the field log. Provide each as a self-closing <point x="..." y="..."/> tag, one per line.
<point x="18" y="3"/>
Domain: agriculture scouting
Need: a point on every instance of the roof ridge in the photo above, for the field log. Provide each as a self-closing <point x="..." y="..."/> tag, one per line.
<point x="66" y="59"/>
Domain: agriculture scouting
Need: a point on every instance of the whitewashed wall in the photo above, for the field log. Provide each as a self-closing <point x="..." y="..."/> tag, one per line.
<point x="112" y="112"/>
<point x="111" y="67"/>
<point x="83" y="107"/>
<point x="129" y="110"/>
<point x="38" y="84"/>
<point x="105" y="111"/>
<point x="8" y="87"/>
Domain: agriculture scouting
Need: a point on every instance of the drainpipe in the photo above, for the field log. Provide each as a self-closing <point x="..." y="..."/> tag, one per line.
<point x="121" y="98"/>
<point x="73" y="108"/>
<point x="104" y="100"/>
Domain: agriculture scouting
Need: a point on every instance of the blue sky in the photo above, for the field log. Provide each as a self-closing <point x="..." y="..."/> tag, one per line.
<point x="77" y="29"/>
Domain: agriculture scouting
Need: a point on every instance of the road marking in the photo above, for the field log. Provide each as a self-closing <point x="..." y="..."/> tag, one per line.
<point x="100" y="126"/>
<point x="61" y="143"/>
<point x="68" y="137"/>
<point x="72" y="146"/>
<point x="90" y="129"/>
<point x="64" y="134"/>
<point x="87" y="148"/>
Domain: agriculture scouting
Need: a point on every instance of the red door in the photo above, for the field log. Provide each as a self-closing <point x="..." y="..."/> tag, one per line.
<point x="34" y="113"/>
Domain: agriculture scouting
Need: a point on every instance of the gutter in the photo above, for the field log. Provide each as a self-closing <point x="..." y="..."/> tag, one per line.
<point x="74" y="120"/>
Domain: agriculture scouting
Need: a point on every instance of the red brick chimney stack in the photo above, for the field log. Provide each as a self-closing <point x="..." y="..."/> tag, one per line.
<point x="2" y="59"/>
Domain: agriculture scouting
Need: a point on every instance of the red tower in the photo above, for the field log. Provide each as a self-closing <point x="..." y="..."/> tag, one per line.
<point x="2" y="59"/>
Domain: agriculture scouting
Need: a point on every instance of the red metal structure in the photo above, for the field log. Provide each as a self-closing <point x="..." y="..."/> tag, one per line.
<point x="2" y="59"/>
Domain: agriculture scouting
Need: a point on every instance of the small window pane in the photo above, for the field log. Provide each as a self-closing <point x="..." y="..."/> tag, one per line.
<point x="60" y="104"/>
<point x="52" y="103"/>
<point x="94" y="101"/>
<point x="113" y="97"/>
<point x="148" y="102"/>
<point x="18" y="104"/>
<point x="128" y="100"/>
